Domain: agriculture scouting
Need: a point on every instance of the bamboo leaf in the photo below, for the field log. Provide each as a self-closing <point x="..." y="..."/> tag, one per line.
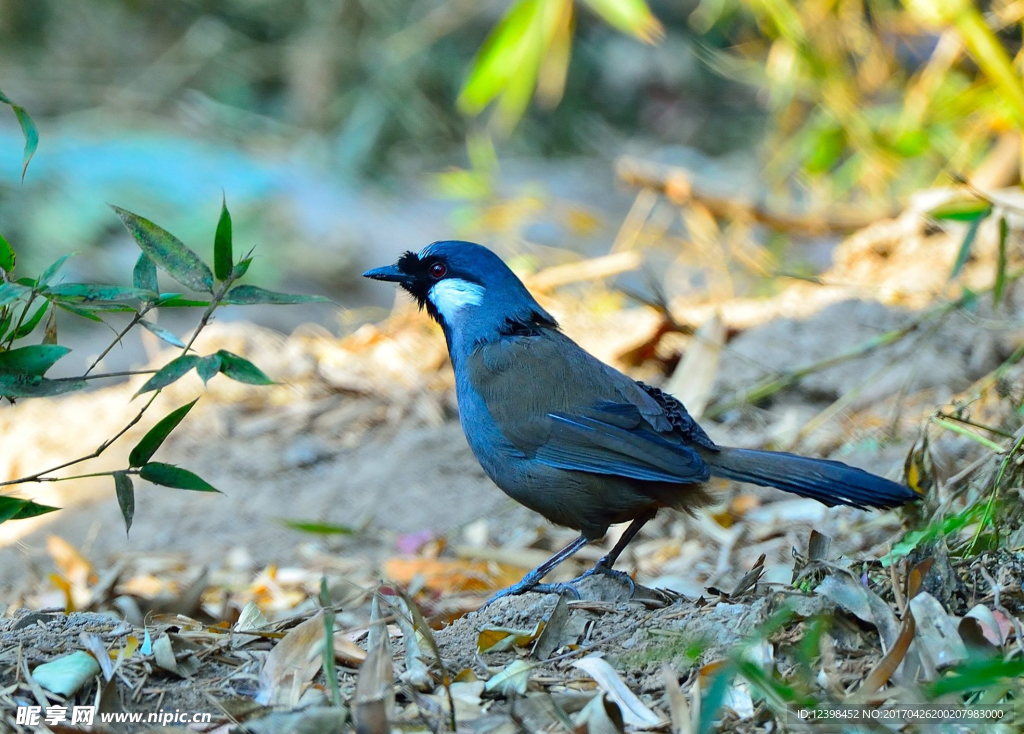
<point x="34" y="386"/>
<point x="169" y="475"/>
<point x="163" y="333"/>
<point x="144" y="449"/>
<point x="169" y="373"/>
<point x="26" y="328"/>
<point x="28" y="130"/>
<point x="144" y="275"/>
<point x="11" y="292"/>
<point x="88" y="293"/>
<point x="79" y="312"/>
<point x="31" y="360"/>
<point x="242" y="370"/>
<point x="16" y="508"/>
<point x="965" y="249"/>
<point x="247" y="295"/>
<point x="125" y="491"/>
<point x="168" y="251"/>
<point x="51" y="272"/>
<point x="630" y="16"/>
<point x="208" y="367"/>
<point x="7" y="256"/>
<point x="1000" y="284"/>
<point x="222" y="257"/>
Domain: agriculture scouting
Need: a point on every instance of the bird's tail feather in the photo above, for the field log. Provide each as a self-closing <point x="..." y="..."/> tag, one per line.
<point x="830" y="482"/>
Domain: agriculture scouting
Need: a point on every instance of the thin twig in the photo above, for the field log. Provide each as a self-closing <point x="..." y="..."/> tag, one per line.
<point x="131" y="325"/>
<point x="102" y="447"/>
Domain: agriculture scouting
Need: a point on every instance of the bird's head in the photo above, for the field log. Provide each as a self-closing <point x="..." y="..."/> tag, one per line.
<point x="468" y="290"/>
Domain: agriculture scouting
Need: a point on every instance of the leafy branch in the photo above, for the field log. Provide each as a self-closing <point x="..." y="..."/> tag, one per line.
<point x="23" y="368"/>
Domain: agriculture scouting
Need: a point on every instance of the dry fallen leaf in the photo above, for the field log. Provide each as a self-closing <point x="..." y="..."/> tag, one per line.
<point x="634" y="712"/>
<point x="374" y="700"/>
<point x="694" y="377"/>
<point x="600" y="716"/>
<point x="292" y="663"/>
<point x="678" y="708"/>
<point x="936" y="634"/>
<point x="512" y="681"/>
<point x="503" y="639"/>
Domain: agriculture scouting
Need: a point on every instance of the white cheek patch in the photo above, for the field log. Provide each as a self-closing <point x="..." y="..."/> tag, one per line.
<point x="451" y="295"/>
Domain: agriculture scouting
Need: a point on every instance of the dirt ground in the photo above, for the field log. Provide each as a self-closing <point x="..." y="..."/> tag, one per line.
<point x="362" y="434"/>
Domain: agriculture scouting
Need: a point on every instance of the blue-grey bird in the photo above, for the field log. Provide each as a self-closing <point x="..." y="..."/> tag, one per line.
<point x="570" y="437"/>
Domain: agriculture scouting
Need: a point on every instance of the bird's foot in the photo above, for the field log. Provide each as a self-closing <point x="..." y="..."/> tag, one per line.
<point x="528" y="585"/>
<point x="604" y="570"/>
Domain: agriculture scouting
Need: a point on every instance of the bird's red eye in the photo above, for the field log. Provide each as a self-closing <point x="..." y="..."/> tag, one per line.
<point x="438" y="271"/>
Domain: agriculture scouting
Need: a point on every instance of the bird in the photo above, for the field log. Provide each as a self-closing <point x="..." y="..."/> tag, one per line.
<point x="574" y="439"/>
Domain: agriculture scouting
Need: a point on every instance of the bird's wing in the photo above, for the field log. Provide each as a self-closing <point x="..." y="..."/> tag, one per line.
<point x="566" y="409"/>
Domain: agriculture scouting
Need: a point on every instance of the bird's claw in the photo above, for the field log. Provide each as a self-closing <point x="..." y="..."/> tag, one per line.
<point x="604" y="570"/>
<point x="565" y="587"/>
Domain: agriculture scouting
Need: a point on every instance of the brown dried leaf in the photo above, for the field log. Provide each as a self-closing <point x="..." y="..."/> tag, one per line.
<point x="374" y="700"/>
<point x="678" y="708"/>
<point x="503" y="639"/>
<point x="550" y="638"/>
<point x="292" y="664"/>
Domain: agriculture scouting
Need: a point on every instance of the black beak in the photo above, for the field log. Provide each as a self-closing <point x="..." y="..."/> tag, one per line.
<point x="390" y="273"/>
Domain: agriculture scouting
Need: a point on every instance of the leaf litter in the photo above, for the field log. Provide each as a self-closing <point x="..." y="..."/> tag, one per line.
<point x="764" y="590"/>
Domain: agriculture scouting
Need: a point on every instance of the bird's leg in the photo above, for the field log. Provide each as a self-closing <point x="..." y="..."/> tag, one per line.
<point x="604" y="565"/>
<point x="531" y="581"/>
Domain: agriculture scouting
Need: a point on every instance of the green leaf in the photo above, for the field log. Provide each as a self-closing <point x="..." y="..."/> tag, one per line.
<point x="962" y="210"/>
<point x="208" y="367"/>
<point x="144" y="274"/>
<point x="27" y="327"/>
<point x="714" y="698"/>
<point x="11" y="292"/>
<point x="965" y="249"/>
<point x="163" y="333"/>
<point x="247" y="295"/>
<point x="241" y="268"/>
<point x="319" y="528"/>
<point x="125" y="491"/>
<point x="242" y="370"/>
<point x="7" y="256"/>
<point x="16" y="508"/>
<point x="89" y="293"/>
<point x="79" y="312"/>
<point x="222" y="256"/>
<point x="5" y="322"/>
<point x="510" y="54"/>
<point x="629" y="16"/>
<point x="31" y="360"/>
<point x="28" y="129"/>
<point x="168" y="251"/>
<point x="976" y="674"/>
<point x="156" y="435"/>
<point x="34" y="386"/>
<point x="50" y="272"/>
<point x="174" y="300"/>
<point x="169" y="373"/>
<point x="169" y="475"/>
<point x="1000" y="284"/>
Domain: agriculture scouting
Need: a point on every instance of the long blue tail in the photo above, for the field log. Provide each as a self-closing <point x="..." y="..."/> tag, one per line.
<point x="829" y="482"/>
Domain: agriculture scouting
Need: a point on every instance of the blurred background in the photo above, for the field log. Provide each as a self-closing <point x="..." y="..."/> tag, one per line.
<point x="344" y="131"/>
